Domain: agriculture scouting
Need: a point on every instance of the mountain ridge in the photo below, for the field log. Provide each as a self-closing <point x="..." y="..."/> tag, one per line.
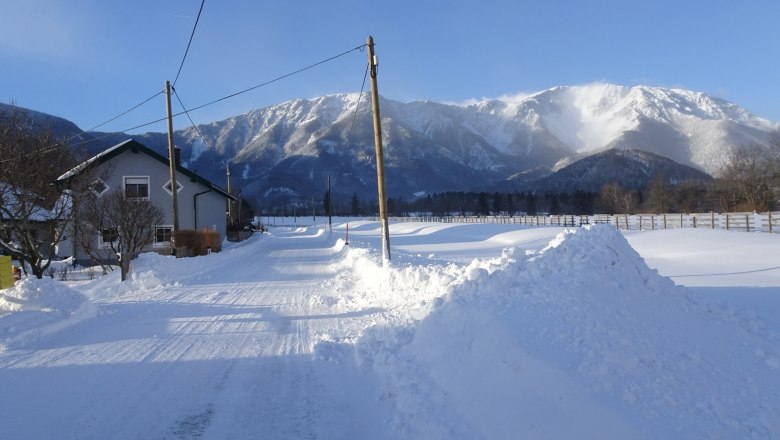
<point x="291" y="148"/>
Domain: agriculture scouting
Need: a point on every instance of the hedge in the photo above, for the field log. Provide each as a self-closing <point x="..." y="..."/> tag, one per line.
<point x="199" y="241"/>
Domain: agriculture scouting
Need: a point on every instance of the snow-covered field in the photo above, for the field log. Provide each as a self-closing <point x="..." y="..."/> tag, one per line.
<point x="471" y="331"/>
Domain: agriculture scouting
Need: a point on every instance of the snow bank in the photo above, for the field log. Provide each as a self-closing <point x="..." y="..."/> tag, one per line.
<point x="151" y="272"/>
<point x="37" y="307"/>
<point x="578" y="340"/>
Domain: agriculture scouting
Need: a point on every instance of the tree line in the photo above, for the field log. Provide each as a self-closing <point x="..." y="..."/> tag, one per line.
<point x="749" y="181"/>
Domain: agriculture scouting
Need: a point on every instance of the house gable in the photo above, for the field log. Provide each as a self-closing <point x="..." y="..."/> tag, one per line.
<point x="136" y="147"/>
<point x="140" y="172"/>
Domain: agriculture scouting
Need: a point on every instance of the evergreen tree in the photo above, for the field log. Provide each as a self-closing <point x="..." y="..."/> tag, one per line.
<point x="355" y="205"/>
<point x="497" y="205"/>
<point x="326" y="203"/>
<point x="510" y="205"/>
<point x="555" y="205"/>
<point x="530" y="204"/>
<point x="484" y="208"/>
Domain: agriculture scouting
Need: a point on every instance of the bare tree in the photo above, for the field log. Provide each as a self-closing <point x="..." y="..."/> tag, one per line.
<point x="125" y="225"/>
<point x="32" y="211"/>
<point x="659" y="195"/>
<point x="617" y="199"/>
<point x="751" y="175"/>
<point x="694" y="197"/>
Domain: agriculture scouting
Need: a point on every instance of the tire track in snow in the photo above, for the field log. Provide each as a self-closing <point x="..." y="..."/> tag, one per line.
<point x="211" y="355"/>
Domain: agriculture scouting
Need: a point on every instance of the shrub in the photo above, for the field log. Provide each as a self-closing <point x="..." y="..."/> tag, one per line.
<point x="199" y="241"/>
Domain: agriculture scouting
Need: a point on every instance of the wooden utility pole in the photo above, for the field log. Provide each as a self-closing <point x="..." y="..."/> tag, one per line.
<point x="230" y="202"/>
<point x="380" y="162"/>
<point x="172" y="157"/>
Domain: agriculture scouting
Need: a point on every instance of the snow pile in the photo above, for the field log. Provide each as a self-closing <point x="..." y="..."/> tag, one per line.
<point x="579" y="340"/>
<point x="148" y="272"/>
<point x="406" y="292"/>
<point x="36" y="307"/>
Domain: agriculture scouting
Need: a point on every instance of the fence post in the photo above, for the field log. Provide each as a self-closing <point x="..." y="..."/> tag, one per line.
<point x="727" y="221"/>
<point x="747" y="222"/>
<point x="770" y="222"/>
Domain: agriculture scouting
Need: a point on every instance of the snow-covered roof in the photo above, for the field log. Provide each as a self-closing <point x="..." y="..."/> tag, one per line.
<point x="97" y="158"/>
<point x="9" y="197"/>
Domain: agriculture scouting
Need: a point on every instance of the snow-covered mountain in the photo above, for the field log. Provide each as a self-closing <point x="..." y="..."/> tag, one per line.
<point x="289" y="149"/>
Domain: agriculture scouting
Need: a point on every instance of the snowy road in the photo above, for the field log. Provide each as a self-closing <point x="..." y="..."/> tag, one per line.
<point x="294" y="335"/>
<point x="197" y="356"/>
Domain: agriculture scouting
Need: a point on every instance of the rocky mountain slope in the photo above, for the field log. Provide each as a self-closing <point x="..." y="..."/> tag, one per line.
<point x="285" y="152"/>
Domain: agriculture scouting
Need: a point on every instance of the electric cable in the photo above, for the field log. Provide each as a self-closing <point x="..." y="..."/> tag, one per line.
<point x="114" y="118"/>
<point x="191" y="121"/>
<point x="357" y="106"/>
<point x="190" y="42"/>
<point x="278" y="78"/>
<point x="64" y="144"/>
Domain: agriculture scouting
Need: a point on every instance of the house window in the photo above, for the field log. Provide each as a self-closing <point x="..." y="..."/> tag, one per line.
<point x="108" y="236"/>
<point x="99" y="187"/>
<point x="137" y="187"/>
<point x="162" y="235"/>
<point x="167" y="187"/>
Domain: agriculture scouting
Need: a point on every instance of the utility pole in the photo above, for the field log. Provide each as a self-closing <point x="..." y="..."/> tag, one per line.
<point x="380" y="162"/>
<point x="330" y="210"/>
<point x="172" y="157"/>
<point x="230" y="202"/>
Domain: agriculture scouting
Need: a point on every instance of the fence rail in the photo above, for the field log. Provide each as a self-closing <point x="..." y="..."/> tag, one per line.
<point x="736" y="221"/>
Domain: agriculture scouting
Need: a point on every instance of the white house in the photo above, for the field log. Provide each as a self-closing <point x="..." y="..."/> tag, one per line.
<point x="141" y="172"/>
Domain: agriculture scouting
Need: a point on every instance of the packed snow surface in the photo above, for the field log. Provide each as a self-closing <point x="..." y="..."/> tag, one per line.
<point x="470" y="331"/>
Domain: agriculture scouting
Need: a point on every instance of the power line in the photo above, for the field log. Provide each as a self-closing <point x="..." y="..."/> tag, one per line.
<point x="114" y="118"/>
<point x="190" y="42"/>
<point x="278" y="78"/>
<point x="191" y="121"/>
<point x="64" y="145"/>
<point x="251" y="88"/>
<point x="357" y="106"/>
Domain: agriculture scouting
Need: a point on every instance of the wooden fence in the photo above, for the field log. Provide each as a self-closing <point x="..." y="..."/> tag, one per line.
<point x="736" y="221"/>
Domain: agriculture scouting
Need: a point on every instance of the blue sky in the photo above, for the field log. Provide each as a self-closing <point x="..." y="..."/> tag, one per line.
<point x="89" y="60"/>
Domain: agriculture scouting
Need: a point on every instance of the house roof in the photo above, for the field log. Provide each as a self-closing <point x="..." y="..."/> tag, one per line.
<point x="10" y="199"/>
<point x="135" y="146"/>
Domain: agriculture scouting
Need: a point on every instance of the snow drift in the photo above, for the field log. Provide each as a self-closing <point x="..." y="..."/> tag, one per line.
<point x="297" y="335"/>
<point x="578" y="340"/>
<point x="36" y="307"/>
